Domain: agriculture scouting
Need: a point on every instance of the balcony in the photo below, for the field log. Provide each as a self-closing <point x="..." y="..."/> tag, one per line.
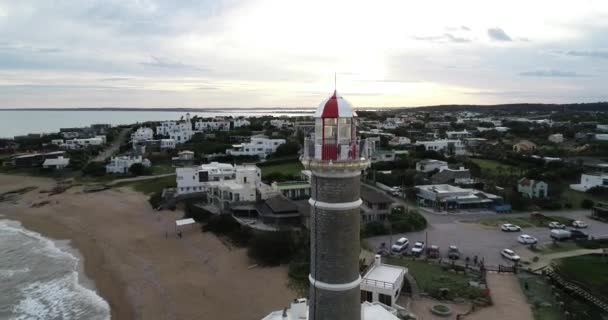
<point x="336" y="149"/>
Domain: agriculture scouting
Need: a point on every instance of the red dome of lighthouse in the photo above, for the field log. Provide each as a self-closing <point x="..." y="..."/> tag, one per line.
<point x="335" y="107"/>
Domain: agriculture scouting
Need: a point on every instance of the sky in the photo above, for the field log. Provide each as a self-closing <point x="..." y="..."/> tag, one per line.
<point x="285" y="54"/>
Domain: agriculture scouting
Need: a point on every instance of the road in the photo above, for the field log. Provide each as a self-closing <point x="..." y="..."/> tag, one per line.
<point x="485" y="242"/>
<point x="140" y="178"/>
<point x="113" y="147"/>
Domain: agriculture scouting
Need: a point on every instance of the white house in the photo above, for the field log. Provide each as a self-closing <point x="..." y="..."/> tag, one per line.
<point x="214" y="125"/>
<point x="458" y="134"/>
<point x="446" y="197"/>
<point x="240" y="122"/>
<point x="399" y="141"/>
<point x="429" y="165"/>
<point x="142" y="134"/>
<point x="602" y="127"/>
<point x="533" y="188"/>
<point x="56" y="163"/>
<point x="556" y="138"/>
<point x="449" y="146"/>
<point x="590" y="180"/>
<point x="123" y="163"/>
<point x="258" y="146"/>
<point x="280" y="123"/>
<point x="382" y="282"/>
<point x="601" y="137"/>
<point x="195" y="179"/>
<point x="497" y="129"/>
<point x="83" y="143"/>
<point x="180" y="131"/>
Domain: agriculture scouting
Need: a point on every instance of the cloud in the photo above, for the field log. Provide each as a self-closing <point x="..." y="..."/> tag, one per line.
<point x="601" y="54"/>
<point x="497" y="34"/>
<point x="552" y="74"/>
<point x="161" y="62"/>
<point x="446" y="37"/>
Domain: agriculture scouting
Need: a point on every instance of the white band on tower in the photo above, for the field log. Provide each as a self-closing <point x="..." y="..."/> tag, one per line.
<point x="335" y="206"/>
<point x="334" y="286"/>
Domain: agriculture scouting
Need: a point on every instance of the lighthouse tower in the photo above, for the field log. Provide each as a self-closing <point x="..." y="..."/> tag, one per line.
<point x="335" y="158"/>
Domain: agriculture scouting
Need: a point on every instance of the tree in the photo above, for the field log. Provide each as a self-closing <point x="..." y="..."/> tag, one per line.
<point x="138" y="169"/>
<point x="287" y="149"/>
<point x="95" y="169"/>
<point x="587" y="204"/>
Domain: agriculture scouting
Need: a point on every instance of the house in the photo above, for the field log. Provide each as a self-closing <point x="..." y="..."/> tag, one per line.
<point x="195" y="179"/>
<point x="444" y="197"/>
<point x="293" y="190"/>
<point x="382" y="282"/>
<point x="278" y="211"/>
<point x="601" y="127"/>
<point x="56" y="163"/>
<point x="240" y="122"/>
<point x="214" y="125"/>
<point x="84" y="143"/>
<point x="429" y="165"/>
<point x="451" y="176"/>
<point x="32" y="160"/>
<point x="184" y="159"/>
<point x="601" y="137"/>
<point x="556" y="138"/>
<point x="180" y="131"/>
<point x="399" y="141"/>
<point x="497" y="129"/>
<point x="437" y="124"/>
<point x="376" y="205"/>
<point x="142" y="134"/>
<point x="280" y="123"/>
<point x="455" y="147"/>
<point x="590" y="180"/>
<point x="258" y="146"/>
<point x="458" y="134"/>
<point x="383" y="156"/>
<point x="122" y="164"/>
<point x="524" y="146"/>
<point x="157" y="145"/>
<point x="533" y="188"/>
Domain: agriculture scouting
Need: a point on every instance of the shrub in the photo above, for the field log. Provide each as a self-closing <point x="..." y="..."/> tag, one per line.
<point x="407" y="222"/>
<point x="138" y="169"/>
<point x="587" y="204"/>
<point x="375" y="228"/>
<point x="95" y="169"/>
<point x="222" y="224"/>
<point x="155" y="199"/>
<point x="272" y="248"/>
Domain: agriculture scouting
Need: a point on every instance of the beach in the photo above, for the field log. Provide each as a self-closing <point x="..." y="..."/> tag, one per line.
<point x="137" y="263"/>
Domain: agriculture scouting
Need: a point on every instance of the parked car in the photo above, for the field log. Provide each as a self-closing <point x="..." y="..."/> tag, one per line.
<point x="400" y="245"/>
<point x="433" y="252"/>
<point x="418" y="248"/>
<point x="577" y="234"/>
<point x="453" y="253"/>
<point x="560" y="234"/>
<point x="556" y="225"/>
<point x="579" y="224"/>
<point x="527" y="239"/>
<point x="507" y="227"/>
<point x="510" y="254"/>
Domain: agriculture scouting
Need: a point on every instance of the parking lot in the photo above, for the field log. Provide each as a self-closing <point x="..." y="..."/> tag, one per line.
<point x="485" y="242"/>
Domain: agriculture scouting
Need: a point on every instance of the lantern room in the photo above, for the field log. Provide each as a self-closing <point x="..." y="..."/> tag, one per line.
<point x="335" y="130"/>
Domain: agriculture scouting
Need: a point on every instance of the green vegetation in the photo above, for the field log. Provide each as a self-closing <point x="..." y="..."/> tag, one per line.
<point x="576" y="198"/>
<point x="281" y="170"/>
<point x="399" y="221"/>
<point x="539" y="294"/>
<point x="524" y="222"/>
<point x="491" y="165"/>
<point x="591" y="271"/>
<point x="433" y="277"/>
<point x="150" y="186"/>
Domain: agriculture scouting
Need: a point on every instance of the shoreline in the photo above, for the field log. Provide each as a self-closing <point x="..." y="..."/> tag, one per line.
<point x="105" y="283"/>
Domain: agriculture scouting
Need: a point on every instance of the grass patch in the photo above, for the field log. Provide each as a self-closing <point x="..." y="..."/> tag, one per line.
<point x="575" y="198"/>
<point x="291" y="168"/>
<point x="150" y="186"/>
<point x="524" y="222"/>
<point x="491" y="165"/>
<point x="589" y="270"/>
<point x="158" y="169"/>
<point x="432" y="277"/>
<point x="538" y="293"/>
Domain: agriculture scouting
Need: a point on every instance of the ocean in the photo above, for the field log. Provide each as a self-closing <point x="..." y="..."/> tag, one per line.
<point x="43" y="279"/>
<point x="14" y="123"/>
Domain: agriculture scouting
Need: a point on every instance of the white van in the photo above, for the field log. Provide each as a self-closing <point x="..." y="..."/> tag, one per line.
<point x="560" y="234"/>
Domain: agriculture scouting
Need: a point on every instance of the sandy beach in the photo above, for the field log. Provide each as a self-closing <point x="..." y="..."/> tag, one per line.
<point x="138" y="264"/>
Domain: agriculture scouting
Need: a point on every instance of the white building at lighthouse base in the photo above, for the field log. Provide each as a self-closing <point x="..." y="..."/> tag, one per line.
<point x="369" y="311"/>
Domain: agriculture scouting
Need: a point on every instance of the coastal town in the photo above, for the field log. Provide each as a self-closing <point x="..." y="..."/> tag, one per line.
<point x="463" y="212"/>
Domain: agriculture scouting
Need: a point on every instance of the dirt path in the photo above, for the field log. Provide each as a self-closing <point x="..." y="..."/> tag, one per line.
<point x="509" y="301"/>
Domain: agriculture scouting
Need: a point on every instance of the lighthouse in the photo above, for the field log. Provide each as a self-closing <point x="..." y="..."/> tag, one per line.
<point x="335" y="158"/>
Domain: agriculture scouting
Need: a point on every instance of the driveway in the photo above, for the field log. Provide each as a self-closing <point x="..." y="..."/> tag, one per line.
<point x="109" y="151"/>
<point x="509" y="302"/>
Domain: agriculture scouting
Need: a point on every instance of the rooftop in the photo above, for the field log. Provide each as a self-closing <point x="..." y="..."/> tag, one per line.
<point x="384" y="273"/>
<point x="374" y="196"/>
